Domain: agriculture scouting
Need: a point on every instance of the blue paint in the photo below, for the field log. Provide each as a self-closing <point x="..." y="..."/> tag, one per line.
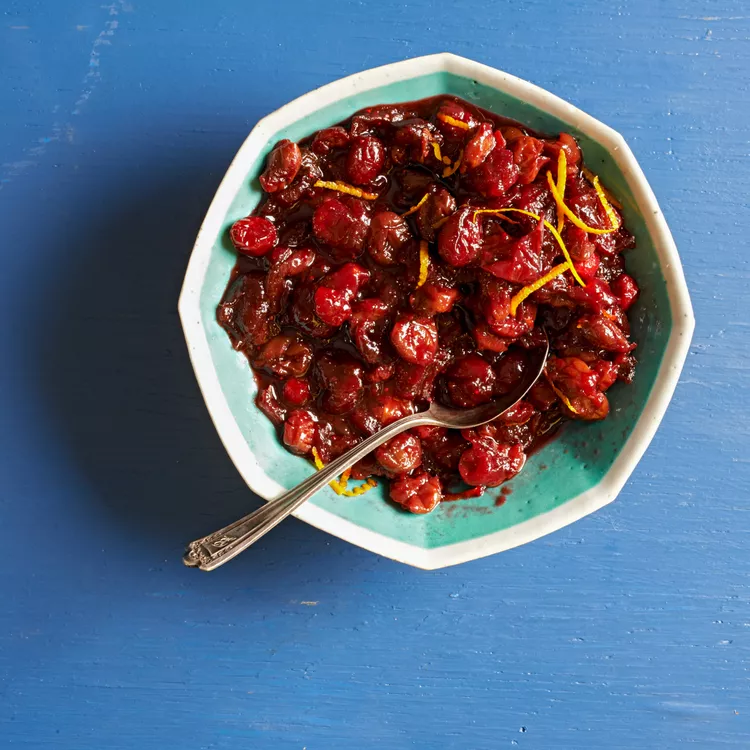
<point x="628" y="630"/>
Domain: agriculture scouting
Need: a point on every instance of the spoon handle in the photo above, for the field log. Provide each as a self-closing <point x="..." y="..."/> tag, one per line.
<point x="215" y="549"/>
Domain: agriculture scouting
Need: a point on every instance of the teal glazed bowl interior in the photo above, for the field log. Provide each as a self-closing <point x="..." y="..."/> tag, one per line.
<point x="571" y="466"/>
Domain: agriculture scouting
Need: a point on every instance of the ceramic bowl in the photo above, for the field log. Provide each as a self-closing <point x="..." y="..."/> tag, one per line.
<point x="571" y="477"/>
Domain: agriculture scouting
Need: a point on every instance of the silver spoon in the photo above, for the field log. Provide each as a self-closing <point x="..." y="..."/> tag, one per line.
<point x="215" y="549"/>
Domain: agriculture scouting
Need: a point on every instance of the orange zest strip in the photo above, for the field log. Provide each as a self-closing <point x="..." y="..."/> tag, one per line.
<point x="453" y="121"/>
<point x="424" y="262"/>
<point x="522" y="294"/>
<point x="361" y="489"/>
<point x="448" y="171"/>
<point x="342" y="187"/>
<point x="339" y="486"/>
<point x="605" y="203"/>
<point x="446" y="160"/>
<point x="573" y="218"/>
<point x="562" y="174"/>
<point x="417" y="206"/>
<point x="590" y="176"/>
<point x="549" y="226"/>
<point x="560" y="394"/>
<point x="436" y="150"/>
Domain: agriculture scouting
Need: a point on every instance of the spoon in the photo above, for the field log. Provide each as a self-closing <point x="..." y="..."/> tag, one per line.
<point x="215" y="549"/>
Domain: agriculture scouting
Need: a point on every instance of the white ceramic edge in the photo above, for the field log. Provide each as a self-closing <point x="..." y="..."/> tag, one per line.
<point x="643" y="432"/>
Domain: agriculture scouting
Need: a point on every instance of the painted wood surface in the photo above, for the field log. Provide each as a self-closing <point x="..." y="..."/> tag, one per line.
<point x="627" y="630"/>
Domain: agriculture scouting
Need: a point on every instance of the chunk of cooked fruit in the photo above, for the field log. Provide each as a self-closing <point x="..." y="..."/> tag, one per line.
<point x="489" y="463"/>
<point x="415" y="338"/>
<point x="400" y="454"/>
<point x="282" y="166"/>
<point x="254" y="236"/>
<point x="418" y="494"/>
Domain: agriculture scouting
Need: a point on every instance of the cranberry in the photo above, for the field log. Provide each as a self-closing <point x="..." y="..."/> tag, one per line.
<point x="285" y="265"/>
<point x="282" y="166"/>
<point x="367" y="326"/>
<point x="460" y="238"/>
<point x="334" y="437"/>
<point x="401" y="454"/>
<point x="300" y="428"/>
<point x="578" y="383"/>
<point x="542" y="396"/>
<point x="439" y="205"/>
<point x="379" y="408"/>
<point x="268" y="402"/>
<point x="572" y="152"/>
<point x="365" y="159"/>
<point x="245" y="313"/>
<point x="524" y="262"/>
<point x="302" y="313"/>
<point x="486" y="340"/>
<point x="527" y="154"/>
<point x="433" y="299"/>
<point x="419" y="494"/>
<point x="334" y="296"/>
<point x="296" y="391"/>
<point x="284" y="356"/>
<point x="389" y="233"/>
<point x="604" y="333"/>
<point x="519" y="413"/>
<point x="254" y="236"/>
<point x="489" y="463"/>
<point x="496" y="174"/>
<point x="342" y="225"/>
<point x="510" y="371"/>
<point x="413" y="141"/>
<point x="341" y="377"/>
<point x="479" y="147"/>
<point x="329" y="138"/>
<point x="455" y="111"/>
<point x="415" y="338"/>
<point x="470" y="381"/>
<point x="626" y="290"/>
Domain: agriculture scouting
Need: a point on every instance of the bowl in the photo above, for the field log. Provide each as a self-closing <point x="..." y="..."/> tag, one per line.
<point x="574" y="475"/>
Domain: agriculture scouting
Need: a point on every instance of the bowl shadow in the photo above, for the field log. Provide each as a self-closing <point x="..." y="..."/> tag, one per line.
<point x="123" y="397"/>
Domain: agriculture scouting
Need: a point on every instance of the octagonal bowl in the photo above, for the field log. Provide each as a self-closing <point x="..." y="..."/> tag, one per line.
<point x="574" y="475"/>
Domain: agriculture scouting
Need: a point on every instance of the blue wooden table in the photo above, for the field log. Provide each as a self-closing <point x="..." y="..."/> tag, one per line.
<point x="628" y="630"/>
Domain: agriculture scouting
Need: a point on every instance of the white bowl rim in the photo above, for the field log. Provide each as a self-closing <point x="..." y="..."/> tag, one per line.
<point x="683" y="322"/>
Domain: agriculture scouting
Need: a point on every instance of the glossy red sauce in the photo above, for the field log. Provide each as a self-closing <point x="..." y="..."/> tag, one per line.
<point x="346" y="333"/>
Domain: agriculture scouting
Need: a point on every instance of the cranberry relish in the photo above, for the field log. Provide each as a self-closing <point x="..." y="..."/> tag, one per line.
<point x="379" y="272"/>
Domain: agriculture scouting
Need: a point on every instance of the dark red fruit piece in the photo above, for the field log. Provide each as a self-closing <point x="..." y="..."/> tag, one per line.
<point x="523" y="261"/>
<point x="470" y="381"/>
<point x="245" y="313"/>
<point x="379" y="408"/>
<point x="459" y="112"/>
<point x="282" y="166"/>
<point x="626" y="290"/>
<point x="329" y="138"/>
<point x="572" y="152"/>
<point x="419" y="494"/>
<point x="604" y="333"/>
<point x="285" y="356"/>
<point x="268" y="402"/>
<point x="367" y="326"/>
<point x="401" y="454"/>
<point x="254" y="236"/>
<point x="334" y="296"/>
<point x="433" y="299"/>
<point x="460" y="239"/>
<point x="579" y="385"/>
<point x="365" y="159"/>
<point x="341" y="225"/>
<point x="439" y="205"/>
<point x="285" y="265"/>
<point x="296" y="392"/>
<point x="489" y="463"/>
<point x="496" y="174"/>
<point x="389" y="234"/>
<point x="415" y="338"/>
<point x="527" y="154"/>
<point x="341" y="377"/>
<point x="479" y="147"/>
<point x="300" y="428"/>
